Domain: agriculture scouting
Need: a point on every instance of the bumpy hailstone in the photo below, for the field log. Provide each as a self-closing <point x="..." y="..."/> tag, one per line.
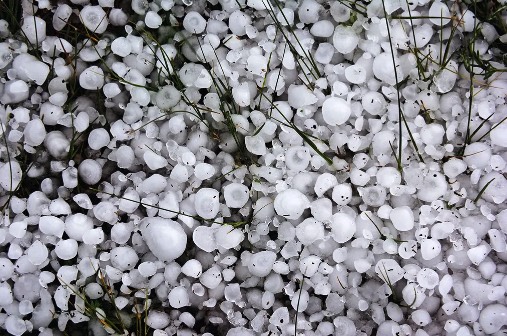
<point x="165" y="238"/>
<point x="402" y="218"/>
<point x="212" y="278"/>
<point x="427" y="278"/>
<point x="236" y="195"/>
<point x="194" y="23"/>
<point x="343" y="227"/>
<point x="261" y="263"/>
<point x="92" y="78"/>
<point x="291" y="203"/>
<point x="324" y="182"/>
<point x="309" y="231"/>
<point x="207" y="203"/>
<point x="496" y="191"/>
<point x="336" y="111"/>
<point x="94" y="18"/>
<point x="255" y="145"/>
<point x="10" y="175"/>
<point x="297" y="158"/>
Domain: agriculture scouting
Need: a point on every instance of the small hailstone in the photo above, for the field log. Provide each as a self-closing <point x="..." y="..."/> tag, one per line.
<point x="14" y="325"/>
<point x="374" y="196"/>
<point x="496" y="190"/>
<point x="343" y="227"/>
<point x="322" y="28"/>
<point x="50" y="114"/>
<point x="241" y="94"/>
<point x="90" y="171"/>
<point x="121" y="47"/>
<point x="10" y="175"/>
<point x="345" y="39"/>
<point x="255" y="145"/>
<point x="165" y="238"/>
<point x="324" y="182"/>
<point x="167" y="97"/>
<point x="212" y="278"/>
<point x="430" y="248"/>
<point x="34" y="28"/>
<point x="66" y="249"/>
<point x="389" y="271"/>
<point x="421" y="317"/>
<point x="384" y="69"/>
<point x="427" y="278"/>
<point x="478" y="254"/>
<point x="152" y="20"/>
<point x="98" y="138"/>
<point x="342" y="194"/>
<point x="309" y="230"/>
<point x="61" y="16"/>
<point x="236" y="195"/>
<point x="477" y="155"/>
<point x="434" y="187"/>
<point x="94" y="18"/>
<point x="194" y="23"/>
<point x="92" y="78"/>
<point x="402" y="218"/>
<point x="207" y="203"/>
<point x="336" y="111"/>
<point x="260" y="264"/>
<point x="14" y="91"/>
<point x="493" y="318"/>
<point x="124" y="258"/>
<point x="192" y="268"/>
<point x="308" y="11"/>
<point x="158" y="320"/>
<point x="439" y="13"/>
<point x="498" y="135"/>
<point x="204" y="238"/>
<point x="432" y="134"/>
<point x="228" y="237"/>
<point x="178" y="297"/>
<point x="298" y="97"/>
<point x="93" y="237"/>
<point x="18" y="229"/>
<point x="454" y="167"/>
<point x="37" y="253"/>
<point x="345" y="326"/>
<point x="291" y="203"/>
<point x="297" y="158"/>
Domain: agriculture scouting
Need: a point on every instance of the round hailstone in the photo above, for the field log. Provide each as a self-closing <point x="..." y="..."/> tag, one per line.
<point x="336" y="111"/>
<point x="121" y="47"/>
<point x="291" y="203"/>
<point x="309" y="230"/>
<point x="496" y="191"/>
<point x="298" y="96"/>
<point x="322" y="28"/>
<point x="14" y="325"/>
<point x="477" y="155"/>
<point x="10" y="175"/>
<point x="324" y="182"/>
<point x="356" y="74"/>
<point x="207" y="203"/>
<point x="34" y="28"/>
<point x="242" y="95"/>
<point x="93" y="237"/>
<point x="238" y="22"/>
<point x="94" y="18"/>
<point x="34" y="132"/>
<point x="98" y="138"/>
<point x="388" y="177"/>
<point x="402" y="218"/>
<point x="430" y="248"/>
<point x="498" y="135"/>
<point x="124" y="258"/>
<point x="92" y="78"/>
<point x="344" y="326"/>
<point x="66" y="249"/>
<point x="236" y="195"/>
<point x="257" y="64"/>
<point x="389" y="271"/>
<point x="90" y="171"/>
<point x="345" y="39"/>
<point x="228" y="237"/>
<point x="204" y="238"/>
<point x="152" y="20"/>
<point x="297" y="158"/>
<point x="192" y="268"/>
<point x="212" y="278"/>
<point x="51" y="225"/>
<point x="76" y="225"/>
<point x="178" y="297"/>
<point x="261" y="263"/>
<point x="204" y="171"/>
<point x="37" y="253"/>
<point x="165" y="238"/>
<point x="434" y="187"/>
<point x="439" y="14"/>
<point x="427" y="278"/>
<point x="374" y="196"/>
<point x="432" y="134"/>
<point x="343" y="227"/>
<point x="255" y="144"/>
<point x="51" y="114"/>
<point x="342" y="194"/>
<point x="167" y="97"/>
<point x="6" y="269"/>
<point x="383" y="68"/>
<point x="194" y="23"/>
<point x="493" y="318"/>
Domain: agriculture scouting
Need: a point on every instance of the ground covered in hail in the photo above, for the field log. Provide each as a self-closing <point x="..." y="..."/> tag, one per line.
<point x="253" y="167"/>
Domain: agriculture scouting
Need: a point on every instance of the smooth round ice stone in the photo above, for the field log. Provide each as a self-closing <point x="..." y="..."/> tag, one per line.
<point x="388" y="177"/>
<point x="336" y="111"/>
<point x="374" y="103"/>
<point x="204" y="171"/>
<point x="402" y="218"/>
<point x="90" y="171"/>
<point x="204" y="238"/>
<point x="76" y="225"/>
<point x="178" y="297"/>
<point x="439" y="13"/>
<point x="430" y="248"/>
<point x="322" y="28"/>
<point x="343" y="227"/>
<point x="260" y="264"/>
<point x="14" y="325"/>
<point x="454" y="167"/>
<point x="342" y="194"/>
<point x="165" y="238"/>
<point x="493" y="318"/>
<point x="92" y="78"/>
<point x="478" y="254"/>
<point x="93" y="237"/>
<point x="345" y="39"/>
<point x="207" y="203"/>
<point x="309" y="231"/>
<point x="238" y="22"/>
<point x="236" y="195"/>
<point x="291" y="203"/>
<point x="106" y="211"/>
<point x="257" y="64"/>
<point x="433" y="187"/>
<point x="340" y="12"/>
<point x="66" y="249"/>
<point x="152" y="20"/>
<point x="242" y="95"/>
<point x="374" y="196"/>
<point x="324" y="182"/>
<point x="34" y="132"/>
<point x="498" y="135"/>
<point x="381" y="142"/>
<point x="94" y="18"/>
<point x="421" y="317"/>
<point x="384" y="69"/>
<point x="496" y="191"/>
<point x="192" y="268"/>
<point x="34" y="29"/>
<point x="298" y="96"/>
<point x="432" y="134"/>
<point x="427" y="278"/>
<point x="308" y="11"/>
<point x="211" y="278"/>
<point x="98" y="138"/>
<point x="344" y="326"/>
<point x="167" y="97"/>
<point x="6" y="269"/>
<point x="124" y="258"/>
<point x="389" y="270"/>
<point x="477" y="155"/>
<point x="18" y="229"/>
<point x="228" y="237"/>
<point x="194" y="23"/>
<point x="356" y="74"/>
<point x="297" y="158"/>
<point x="255" y="144"/>
<point x="37" y="253"/>
<point x="158" y="319"/>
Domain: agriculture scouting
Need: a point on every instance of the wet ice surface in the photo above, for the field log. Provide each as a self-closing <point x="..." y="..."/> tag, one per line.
<point x="253" y="168"/>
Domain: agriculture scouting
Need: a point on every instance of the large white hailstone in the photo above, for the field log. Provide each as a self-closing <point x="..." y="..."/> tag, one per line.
<point x="242" y="95"/>
<point x="383" y="68"/>
<point x="498" y="135"/>
<point x="257" y="64"/>
<point x="207" y="203"/>
<point x="6" y="269"/>
<point x="389" y="271"/>
<point x="90" y="171"/>
<point x="297" y="158"/>
<point x="51" y="114"/>
<point x="344" y="326"/>
<point x="430" y="248"/>
<point x="192" y="268"/>
<point x="255" y="144"/>
<point x="322" y="28"/>
<point x="61" y="16"/>
<point x="125" y="156"/>
<point x="427" y="278"/>
<point x="94" y="18"/>
<point x="291" y="203"/>
<point x="10" y="175"/>
<point x="66" y="249"/>
<point x="98" y="138"/>
<point x="6" y="297"/>
<point x="308" y="11"/>
<point x="155" y="161"/>
<point x="204" y="238"/>
<point x="158" y="319"/>
<point x="434" y="187"/>
<point x="236" y="195"/>
<point x="238" y="21"/>
<point x="106" y="211"/>
<point x="336" y="111"/>
<point x="92" y="78"/>
<point x="402" y="218"/>
<point x="477" y="155"/>
<point x="345" y="39"/>
<point x="121" y="47"/>
<point x="261" y="263"/>
<point x="322" y="209"/>
<point x="165" y="238"/>
<point x="374" y="103"/>
<point x="388" y="177"/>
<point x="264" y="208"/>
<point x="194" y="23"/>
<point x="228" y="237"/>
<point x="169" y="205"/>
<point x="76" y="225"/>
<point x="309" y="231"/>
<point x="178" y="297"/>
<point x="342" y="194"/>
<point x="439" y="14"/>
<point x="34" y="28"/>
<point x="152" y="20"/>
<point x="432" y="134"/>
<point x="374" y="196"/>
<point x="34" y="132"/>
<point x="167" y="97"/>
<point x="493" y="318"/>
<point x="343" y="227"/>
<point x="204" y="171"/>
<point x="124" y="258"/>
<point x="15" y="325"/>
<point x="14" y="91"/>
<point x="299" y="96"/>
<point x="212" y="278"/>
<point x="324" y="182"/>
<point x="37" y="253"/>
